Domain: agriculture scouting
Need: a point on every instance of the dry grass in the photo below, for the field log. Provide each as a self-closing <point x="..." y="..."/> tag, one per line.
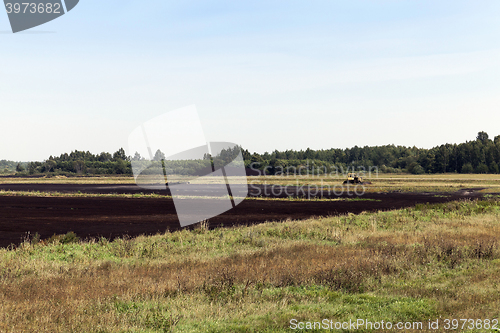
<point x="69" y="180"/>
<point x="393" y="182"/>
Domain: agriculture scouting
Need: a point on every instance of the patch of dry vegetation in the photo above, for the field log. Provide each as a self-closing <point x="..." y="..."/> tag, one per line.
<point x="69" y="180"/>
<point x="393" y="182"/>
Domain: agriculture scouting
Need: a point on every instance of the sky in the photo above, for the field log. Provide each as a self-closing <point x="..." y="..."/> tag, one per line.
<point x="274" y="74"/>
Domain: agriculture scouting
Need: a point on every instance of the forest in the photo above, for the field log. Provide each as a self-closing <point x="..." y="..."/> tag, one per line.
<point x="481" y="155"/>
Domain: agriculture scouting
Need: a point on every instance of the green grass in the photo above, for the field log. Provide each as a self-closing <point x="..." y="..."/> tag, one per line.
<point x="415" y="264"/>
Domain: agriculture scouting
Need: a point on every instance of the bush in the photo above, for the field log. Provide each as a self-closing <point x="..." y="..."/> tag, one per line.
<point x="482" y="168"/>
<point x="467" y="168"/>
<point x="494" y="168"/>
<point x="416" y="169"/>
<point x="70" y="237"/>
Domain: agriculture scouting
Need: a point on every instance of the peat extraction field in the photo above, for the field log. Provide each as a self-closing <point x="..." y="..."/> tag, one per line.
<point x="423" y="261"/>
<point x="114" y="207"/>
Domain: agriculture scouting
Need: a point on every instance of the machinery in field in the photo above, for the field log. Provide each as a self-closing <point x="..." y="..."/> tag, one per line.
<point x="353" y="178"/>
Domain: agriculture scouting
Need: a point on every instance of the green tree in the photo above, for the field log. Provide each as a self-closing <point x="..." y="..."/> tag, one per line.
<point x="137" y="157"/>
<point x="120" y="155"/>
<point x="159" y="155"/>
<point x="426" y="160"/>
<point x="104" y="157"/>
<point x="416" y="169"/>
<point x="79" y="166"/>
<point x="50" y="165"/>
<point x="120" y="167"/>
<point x="482" y="136"/>
<point x="34" y="167"/>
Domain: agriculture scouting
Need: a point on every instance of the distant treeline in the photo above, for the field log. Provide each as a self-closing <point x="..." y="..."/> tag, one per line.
<point x="481" y="155"/>
<point x="7" y="166"/>
<point x="81" y="163"/>
<point x="86" y="163"/>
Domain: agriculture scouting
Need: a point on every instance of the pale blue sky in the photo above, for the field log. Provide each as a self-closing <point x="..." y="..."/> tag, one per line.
<point x="264" y="74"/>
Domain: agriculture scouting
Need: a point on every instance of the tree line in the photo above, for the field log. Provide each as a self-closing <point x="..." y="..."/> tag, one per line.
<point x="7" y="166"/>
<point x="481" y="155"/>
<point x="80" y="163"/>
<point x="118" y="163"/>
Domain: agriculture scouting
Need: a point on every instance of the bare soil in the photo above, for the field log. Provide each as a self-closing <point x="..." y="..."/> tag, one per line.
<point x="113" y="217"/>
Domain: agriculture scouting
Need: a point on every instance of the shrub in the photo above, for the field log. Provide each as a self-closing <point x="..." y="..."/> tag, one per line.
<point x="19" y="168"/>
<point x="494" y="168"/>
<point x="482" y="168"/>
<point x="467" y="168"/>
<point x="416" y="169"/>
<point x="69" y="237"/>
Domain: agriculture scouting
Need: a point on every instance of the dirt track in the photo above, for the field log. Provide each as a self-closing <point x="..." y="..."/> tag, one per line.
<point x="115" y="217"/>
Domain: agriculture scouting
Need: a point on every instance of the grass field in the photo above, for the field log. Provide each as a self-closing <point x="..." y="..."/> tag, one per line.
<point x="427" y="262"/>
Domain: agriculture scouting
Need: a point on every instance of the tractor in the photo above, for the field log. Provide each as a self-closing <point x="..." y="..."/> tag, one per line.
<point x="353" y="178"/>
